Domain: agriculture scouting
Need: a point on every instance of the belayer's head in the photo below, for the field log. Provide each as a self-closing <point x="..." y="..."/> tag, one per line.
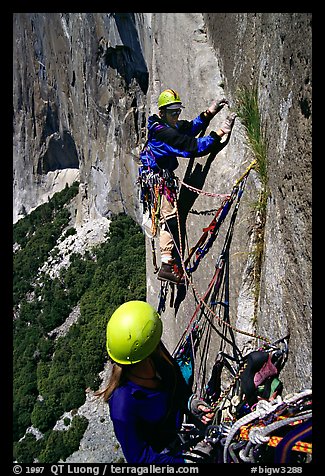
<point x="170" y="106"/>
<point x="133" y="332"/>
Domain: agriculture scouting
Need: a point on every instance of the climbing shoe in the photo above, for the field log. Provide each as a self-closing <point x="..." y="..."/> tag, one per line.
<point x="170" y="272"/>
<point x="229" y="122"/>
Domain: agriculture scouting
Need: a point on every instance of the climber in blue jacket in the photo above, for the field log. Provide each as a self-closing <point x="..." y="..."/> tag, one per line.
<point x="147" y="393"/>
<point x="168" y="139"/>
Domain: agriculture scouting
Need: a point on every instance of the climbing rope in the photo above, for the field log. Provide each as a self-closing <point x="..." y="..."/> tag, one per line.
<point x="249" y="168"/>
<point x="220" y="406"/>
<point x="264" y="414"/>
<point x="155" y="210"/>
<point x="187" y="277"/>
<point x="208" y="312"/>
<point x="202" y="192"/>
<point x="218" y="219"/>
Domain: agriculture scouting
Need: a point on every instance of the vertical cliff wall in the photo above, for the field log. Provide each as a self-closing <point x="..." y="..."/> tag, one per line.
<point x="84" y="84"/>
<point x="80" y="81"/>
<point x="216" y="55"/>
<point x="275" y="52"/>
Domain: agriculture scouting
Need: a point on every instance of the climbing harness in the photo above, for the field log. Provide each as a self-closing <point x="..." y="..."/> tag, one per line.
<point x="153" y="184"/>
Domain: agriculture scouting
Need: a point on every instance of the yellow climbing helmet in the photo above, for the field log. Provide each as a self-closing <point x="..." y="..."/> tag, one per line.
<point x="168" y="97"/>
<point x="133" y="332"/>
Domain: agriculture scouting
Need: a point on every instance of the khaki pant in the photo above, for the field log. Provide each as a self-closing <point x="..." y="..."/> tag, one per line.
<point x="166" y="242"/>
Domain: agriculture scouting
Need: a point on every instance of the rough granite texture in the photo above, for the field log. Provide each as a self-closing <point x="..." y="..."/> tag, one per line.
<point x="84" y="84"/>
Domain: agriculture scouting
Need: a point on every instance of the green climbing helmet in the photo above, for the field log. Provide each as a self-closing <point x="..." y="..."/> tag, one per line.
<point x="133" y="332"/>
<point x="168" y="97"/>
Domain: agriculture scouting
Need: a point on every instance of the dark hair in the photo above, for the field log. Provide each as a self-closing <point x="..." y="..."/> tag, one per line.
<point x="119" y="372"/>
<point x="117" y="378"/>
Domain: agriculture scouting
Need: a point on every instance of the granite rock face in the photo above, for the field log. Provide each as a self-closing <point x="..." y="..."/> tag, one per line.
<point x="274" y="50"/>
<point x="84" y="84"/>
<point x="79" y="86"/>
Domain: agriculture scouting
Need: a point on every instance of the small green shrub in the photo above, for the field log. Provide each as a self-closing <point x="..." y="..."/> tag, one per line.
<point x="249" y="114"/>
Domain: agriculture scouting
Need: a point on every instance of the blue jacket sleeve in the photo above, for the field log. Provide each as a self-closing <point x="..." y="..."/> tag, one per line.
<point x="173" y="141"/>
<point x="192" y="128"/>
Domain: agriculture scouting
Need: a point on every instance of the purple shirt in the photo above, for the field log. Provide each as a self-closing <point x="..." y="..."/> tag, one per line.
<point x="145" y="423"/>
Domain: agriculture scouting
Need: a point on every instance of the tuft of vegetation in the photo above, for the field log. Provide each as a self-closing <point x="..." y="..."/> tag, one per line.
<point x="249" y="115"/>
<point x="248" y="112"/>
<point x="51" y="375"/>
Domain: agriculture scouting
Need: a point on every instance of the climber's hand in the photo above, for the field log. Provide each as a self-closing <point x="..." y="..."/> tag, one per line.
<point x="200" y="409"/>
<point x="228" y="124"/>
<point x="201" y="453"/>
<point x="216" y="106"/>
